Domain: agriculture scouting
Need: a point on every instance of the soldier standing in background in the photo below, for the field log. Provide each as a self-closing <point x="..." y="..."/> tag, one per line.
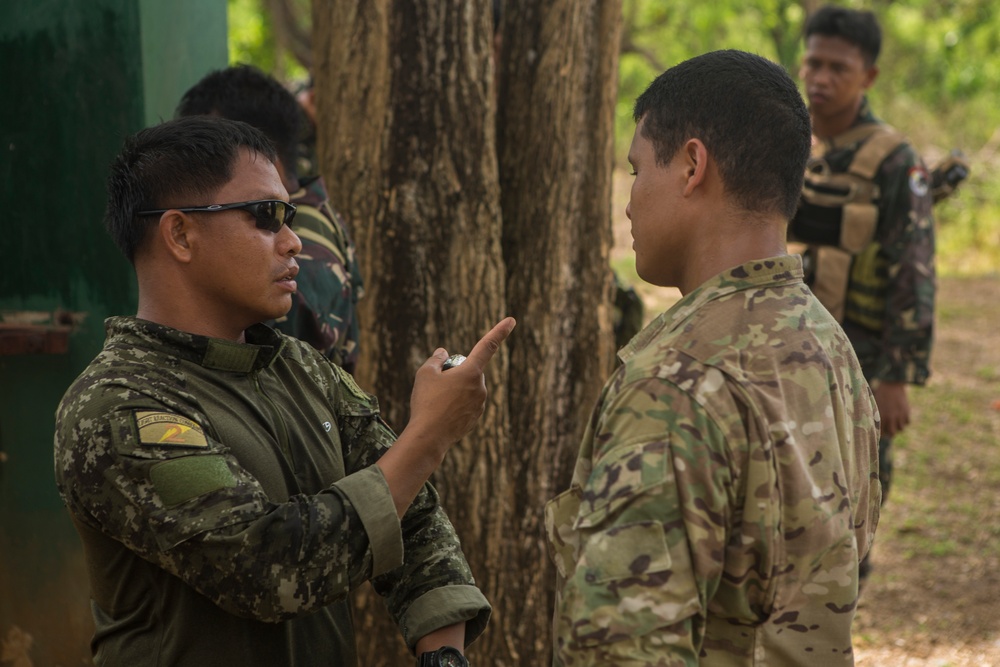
<point x="324" y="310"/>
<point x="866" y="218"/>
<point x="725" y="490"/>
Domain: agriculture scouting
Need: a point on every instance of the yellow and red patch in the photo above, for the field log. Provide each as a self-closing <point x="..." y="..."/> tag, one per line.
<point x="166" y="429"/>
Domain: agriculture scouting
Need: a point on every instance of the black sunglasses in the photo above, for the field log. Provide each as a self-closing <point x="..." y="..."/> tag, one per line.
<point x="269" y="214"/>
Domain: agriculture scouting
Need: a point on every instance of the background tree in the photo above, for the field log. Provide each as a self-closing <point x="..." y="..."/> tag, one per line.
<point x="557" y="90"/>
<point x="408" y="144"/>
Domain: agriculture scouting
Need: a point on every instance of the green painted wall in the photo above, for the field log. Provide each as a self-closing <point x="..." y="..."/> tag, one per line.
<point x="181" y="41"/>
<point x="79" y="75"/>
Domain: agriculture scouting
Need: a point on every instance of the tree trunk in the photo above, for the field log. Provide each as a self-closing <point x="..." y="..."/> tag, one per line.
<point x="558" y="86"/>
<point x="404" y="92"/>
<point x="407" y="143"/>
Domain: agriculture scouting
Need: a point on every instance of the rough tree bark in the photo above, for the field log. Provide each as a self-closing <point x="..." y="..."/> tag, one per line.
<point x="404" y="93"/>
<point x="407" y="145"/>
<point x="557" y="83"/>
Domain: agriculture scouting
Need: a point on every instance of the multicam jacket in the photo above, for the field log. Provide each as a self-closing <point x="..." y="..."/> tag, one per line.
<point x="725" y="490"/>
<point x="889" y="313"/>
<point x="323" y="310"/>
<point x="227" y="499"/>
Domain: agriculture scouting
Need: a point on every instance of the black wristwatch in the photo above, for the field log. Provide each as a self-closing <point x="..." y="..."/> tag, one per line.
<point x="446" y="656"/>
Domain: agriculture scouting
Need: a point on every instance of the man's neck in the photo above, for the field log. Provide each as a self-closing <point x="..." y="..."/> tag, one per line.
<point x="736" y="238"/>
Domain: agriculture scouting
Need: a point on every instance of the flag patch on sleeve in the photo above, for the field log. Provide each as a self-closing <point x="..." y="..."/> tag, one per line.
<point x="165" y="429"/>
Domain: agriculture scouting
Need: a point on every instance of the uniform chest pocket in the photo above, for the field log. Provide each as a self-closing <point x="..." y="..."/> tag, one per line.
<point x="632" y="573"/>
<point x="622" y="512"/>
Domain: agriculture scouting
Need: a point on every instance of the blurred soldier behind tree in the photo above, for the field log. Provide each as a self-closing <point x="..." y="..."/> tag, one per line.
<point x="866" y="219"/>
<point x="324" y="310"/>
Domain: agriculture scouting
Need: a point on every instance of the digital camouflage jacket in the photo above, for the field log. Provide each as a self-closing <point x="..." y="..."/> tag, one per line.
<point x="324" y="310"/>
<point x="725" y="489"/>
<point x="889" y="314"/>
<point x="227" y="500"/>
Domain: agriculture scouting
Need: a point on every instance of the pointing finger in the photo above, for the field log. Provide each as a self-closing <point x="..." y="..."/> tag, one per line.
<point x="490" y="343"/>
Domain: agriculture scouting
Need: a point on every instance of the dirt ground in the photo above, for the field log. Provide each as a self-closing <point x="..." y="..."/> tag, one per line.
<point x="933" y="599"/>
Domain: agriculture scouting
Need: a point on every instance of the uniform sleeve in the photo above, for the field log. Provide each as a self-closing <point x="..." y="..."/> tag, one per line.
<point x="433" y="587"/>
<point x="906" y="237"/>
<point x="651" y="532"/>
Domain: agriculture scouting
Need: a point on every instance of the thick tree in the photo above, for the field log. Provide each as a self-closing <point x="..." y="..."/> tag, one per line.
<point x="557" y="84"/>
<point x="408" y="132"/>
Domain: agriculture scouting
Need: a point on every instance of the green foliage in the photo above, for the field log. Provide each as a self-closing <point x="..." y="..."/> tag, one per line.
<point x="658" y="35"/>
<point x="252" y="40"/>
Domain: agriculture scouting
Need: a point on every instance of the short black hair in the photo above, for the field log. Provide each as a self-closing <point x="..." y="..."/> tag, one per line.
<point x="748" y="113"/>
<point x="859" y="28"/>
<point x="245" y="93"/>
<point x="175" y="163"/>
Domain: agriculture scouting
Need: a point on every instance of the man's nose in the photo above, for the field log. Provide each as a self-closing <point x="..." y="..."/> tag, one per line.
<point x="821" y="75"/>
<point x="294" y="243"/>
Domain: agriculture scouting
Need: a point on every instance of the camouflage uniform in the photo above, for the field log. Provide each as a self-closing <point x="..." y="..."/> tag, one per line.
<point x="228" y="501"/>
<point x="889" y="313"/>
<point x="725" y="489"/>
<point x="323" y="310"/>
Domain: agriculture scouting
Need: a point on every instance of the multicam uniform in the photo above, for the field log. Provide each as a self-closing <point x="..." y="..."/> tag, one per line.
<point x="888" y="308"/>
<point x="227" y="499"/>
<point x="323" y="310"/>
<point x="725" y="488"/>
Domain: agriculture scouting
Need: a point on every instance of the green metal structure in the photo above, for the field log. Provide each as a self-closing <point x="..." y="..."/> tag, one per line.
<point x="78" y="75"/>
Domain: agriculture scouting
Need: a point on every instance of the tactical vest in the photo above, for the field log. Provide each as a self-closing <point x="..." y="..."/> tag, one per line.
<point x="838" y="212"/>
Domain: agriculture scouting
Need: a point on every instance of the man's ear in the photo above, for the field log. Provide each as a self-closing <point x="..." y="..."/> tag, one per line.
<point x="696" y="164"/>
<point x="178" y="233"/>
<point x="870" y="75"/>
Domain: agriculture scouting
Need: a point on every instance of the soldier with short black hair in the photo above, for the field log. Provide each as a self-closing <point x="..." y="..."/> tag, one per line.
<point x="230" y="484"/>
<point x="724" y="492"/>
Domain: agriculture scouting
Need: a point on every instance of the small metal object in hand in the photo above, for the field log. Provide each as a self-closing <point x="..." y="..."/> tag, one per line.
<point x="452" y="361"/>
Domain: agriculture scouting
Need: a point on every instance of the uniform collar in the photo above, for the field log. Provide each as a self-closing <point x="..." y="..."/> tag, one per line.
<point x="784" y="269"/>
<point x="261" y="348"/>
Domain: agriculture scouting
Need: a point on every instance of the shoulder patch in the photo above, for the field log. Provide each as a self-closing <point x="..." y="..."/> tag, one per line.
<point x="919" y="182"/>
<point x="165" y="429"/>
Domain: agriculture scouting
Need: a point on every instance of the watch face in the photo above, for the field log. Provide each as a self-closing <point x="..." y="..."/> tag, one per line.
<point x="450" y="657"/>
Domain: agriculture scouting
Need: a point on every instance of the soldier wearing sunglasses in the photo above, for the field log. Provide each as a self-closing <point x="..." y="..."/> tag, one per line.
<point x="229" y="483"/>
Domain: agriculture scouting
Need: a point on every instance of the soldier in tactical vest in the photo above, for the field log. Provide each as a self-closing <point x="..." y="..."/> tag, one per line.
<point x="865" y="219"/>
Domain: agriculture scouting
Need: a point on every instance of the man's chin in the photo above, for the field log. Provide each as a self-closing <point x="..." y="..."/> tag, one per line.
<point x="280" y="310"/>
